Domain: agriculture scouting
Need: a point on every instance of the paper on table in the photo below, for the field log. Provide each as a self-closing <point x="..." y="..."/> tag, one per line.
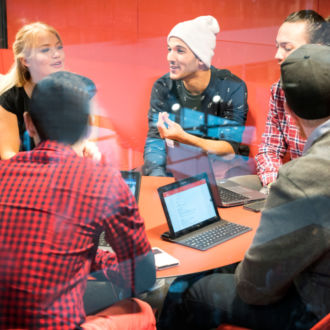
<point x="163" y="259"/>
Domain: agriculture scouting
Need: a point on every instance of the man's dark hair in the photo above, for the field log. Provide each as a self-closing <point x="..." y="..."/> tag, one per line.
<point x="314" y="23"/>
<point x="322" y="35"/>
<point x="60" y="107"/>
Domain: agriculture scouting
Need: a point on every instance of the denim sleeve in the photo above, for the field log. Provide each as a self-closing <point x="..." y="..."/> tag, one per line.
<point x="154" y="149"/>
<point x="154" y="157"/>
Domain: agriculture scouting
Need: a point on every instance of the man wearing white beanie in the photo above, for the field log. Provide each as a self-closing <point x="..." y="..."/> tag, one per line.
<point x="195" y="103"/>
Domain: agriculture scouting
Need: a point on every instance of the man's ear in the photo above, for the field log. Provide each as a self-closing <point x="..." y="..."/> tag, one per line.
<point x="30" y="125"/>
<point x="202" y="65"/>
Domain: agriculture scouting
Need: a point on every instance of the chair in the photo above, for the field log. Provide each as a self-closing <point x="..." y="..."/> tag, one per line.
<point x="323" y="324"/>
<point x="128" y="314"/>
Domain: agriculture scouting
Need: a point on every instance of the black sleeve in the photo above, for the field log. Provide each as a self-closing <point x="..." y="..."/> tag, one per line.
<point x="160" y="94"/>
<point x="9" y="100"/>
<point x="16" y="101"/>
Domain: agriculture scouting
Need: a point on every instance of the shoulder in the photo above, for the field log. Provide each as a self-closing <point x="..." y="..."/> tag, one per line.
<point x="307" y="175"/>
<point x="100" y="176"/>
<point x="13" y="99"/>
<point x="164" y="81"/>
<point x="276" y="86"/>
<point x="10" y="93"/>
<point x="162" y="88"/>
<point x="277" y="90"/>
<point x="224" y="74"/>
<point x="226" y="82"/>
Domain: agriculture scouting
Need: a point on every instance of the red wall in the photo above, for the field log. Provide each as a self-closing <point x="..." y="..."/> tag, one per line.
<point x="121" y="45"/>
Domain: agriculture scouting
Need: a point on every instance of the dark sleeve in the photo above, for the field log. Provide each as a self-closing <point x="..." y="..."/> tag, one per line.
<point x="11" y="101"/>
<point x="154" y="148"/>
<point x="125" y="232"/>
<point x="237" y="100"/>
<point x="240" y="109"/>
<point x="16" y="101"/>
<point x="231" y="109"/>
<point x="159" y="102"/>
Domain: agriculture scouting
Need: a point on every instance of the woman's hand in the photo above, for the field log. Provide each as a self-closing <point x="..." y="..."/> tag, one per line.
<point x="88" y="149"/>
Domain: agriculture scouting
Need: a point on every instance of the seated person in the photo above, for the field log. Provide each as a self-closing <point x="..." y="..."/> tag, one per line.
<point x="54" y="205"/>
<point x="38" y="51"/>
<point x="283" y="281"/>
<point x="194" y="103"/>
<point x="281" y="138"/>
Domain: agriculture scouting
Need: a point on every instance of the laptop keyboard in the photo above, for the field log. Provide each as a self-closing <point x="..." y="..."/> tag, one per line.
<point x="223" y="232"/>
<point x="230" y="196"/>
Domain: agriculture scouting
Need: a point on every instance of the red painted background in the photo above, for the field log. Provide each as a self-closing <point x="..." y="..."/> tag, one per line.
<point x="121" y="45"/>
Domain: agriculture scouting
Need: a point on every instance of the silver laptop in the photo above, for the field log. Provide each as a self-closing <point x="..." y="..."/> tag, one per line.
<point x="184" y="161"/>
<point x="192" y="215"/>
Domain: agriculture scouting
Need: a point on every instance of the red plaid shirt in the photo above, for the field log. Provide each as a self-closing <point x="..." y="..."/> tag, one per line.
<point x="53" y="205"/>
<point x="281" y="136"/>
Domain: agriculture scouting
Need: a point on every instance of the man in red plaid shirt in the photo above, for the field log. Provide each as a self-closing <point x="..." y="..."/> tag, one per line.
<point x="53" y="207"/>
<point x="281" y="134"/>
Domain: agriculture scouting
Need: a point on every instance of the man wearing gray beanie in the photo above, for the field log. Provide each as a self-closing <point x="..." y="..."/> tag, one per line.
<point x="195" y="103"/>
<point x="283" y="281"/>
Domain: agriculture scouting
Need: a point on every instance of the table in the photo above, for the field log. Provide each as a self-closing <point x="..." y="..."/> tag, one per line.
<point x="192" y="260"/>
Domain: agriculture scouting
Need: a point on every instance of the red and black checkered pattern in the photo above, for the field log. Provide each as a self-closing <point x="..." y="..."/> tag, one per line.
<point x="281" y="135"/>
<point x="53" y="205"/>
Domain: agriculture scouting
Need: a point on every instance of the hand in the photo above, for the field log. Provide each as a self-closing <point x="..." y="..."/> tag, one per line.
<point x="172" y="131"/>
<point x="87" y="149"/>
<point x="265" y="189"/>
<point x="90" y="150"/>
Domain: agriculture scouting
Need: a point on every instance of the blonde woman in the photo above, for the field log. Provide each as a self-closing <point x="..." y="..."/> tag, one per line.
<point x="38" y="52"/>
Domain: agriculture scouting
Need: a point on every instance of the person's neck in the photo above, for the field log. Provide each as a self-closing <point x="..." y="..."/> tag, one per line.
<point x="197" y="83"/>
<point x="28" y="87"/>
<point x="308" y="126"/>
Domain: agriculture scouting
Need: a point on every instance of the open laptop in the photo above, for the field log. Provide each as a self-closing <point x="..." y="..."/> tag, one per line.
<point x="133" y="180"/>
<point x="184" y="161"/>
<point x="192" y="215"/>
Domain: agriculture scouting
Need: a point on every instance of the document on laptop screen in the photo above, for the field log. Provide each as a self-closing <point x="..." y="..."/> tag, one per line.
<point x="189" y="205"/>
<point x="131" y="184"/>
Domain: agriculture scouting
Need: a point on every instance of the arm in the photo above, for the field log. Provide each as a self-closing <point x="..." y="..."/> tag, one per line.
<point x="273" y="147"/>
<point x="169" y="129"/>
<point x="290" y="239"/>
<point x="154" y="157"/>
<point x="9" y="134"/>
<point x="125" y="232"/>
<point x="154" y="149"/>
<point x="228" y="96"/>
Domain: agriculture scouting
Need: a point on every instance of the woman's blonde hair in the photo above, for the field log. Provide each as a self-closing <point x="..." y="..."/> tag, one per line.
<point x="23" y="46"/>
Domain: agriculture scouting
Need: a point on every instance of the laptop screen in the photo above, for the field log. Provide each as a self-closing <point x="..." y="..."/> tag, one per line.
<point x="133" y="180"/>
<point x="188" y="204"/>
<point x="184" y="161"/>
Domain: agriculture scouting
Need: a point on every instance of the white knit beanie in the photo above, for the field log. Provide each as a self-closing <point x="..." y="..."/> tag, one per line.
<point x="200" y="36"/>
